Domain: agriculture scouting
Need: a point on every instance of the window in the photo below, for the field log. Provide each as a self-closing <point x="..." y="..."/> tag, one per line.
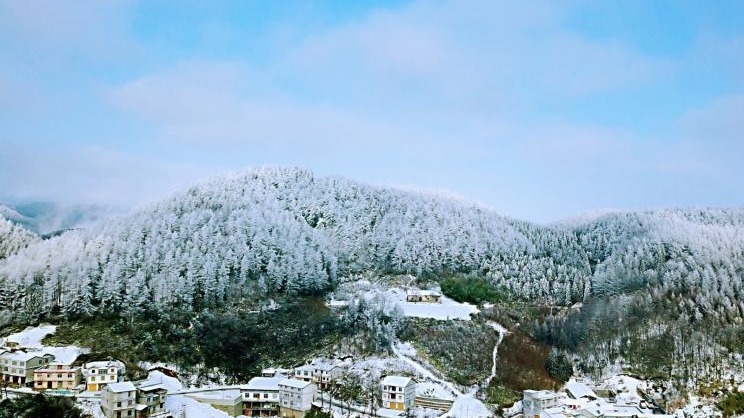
<point x="118" y="404"/>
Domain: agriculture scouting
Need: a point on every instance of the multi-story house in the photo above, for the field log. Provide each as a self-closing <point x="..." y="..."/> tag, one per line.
<point x="398" y="392"/>
<point x="118" y="400"/>
<point x="327" y="374"/>
<point x="321" y="373"/>
<point x="150" y="399"/>
<point x="18" y="367"/>
<point x="57" y="375"/>
<point x="295" y="398"/>
<point x="261" y="396"/>
<point x="98" y="374"/>
<point x="537" y="401"/>
<point x="304" y="372"/>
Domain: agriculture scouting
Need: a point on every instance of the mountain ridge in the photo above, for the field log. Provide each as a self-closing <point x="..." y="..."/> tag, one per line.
<point x="266" y="231"/>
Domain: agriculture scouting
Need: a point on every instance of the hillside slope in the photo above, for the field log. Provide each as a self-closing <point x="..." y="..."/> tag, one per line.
<point x="656" y="280"/>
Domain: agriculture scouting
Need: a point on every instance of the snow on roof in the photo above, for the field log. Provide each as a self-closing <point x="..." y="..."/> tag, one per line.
<point x="170" y="383"/>
<point x="579" y="390"/>
<point x="104" y="364"/>
<point x="294" y="383"/>
<point x="325" y="367"/>
<point x="552" y="413"/>
<point x="399" y="381"/>
<point x="306" y="367"/>
<point x="422" y="292"/>
<point x="23" y="355"/>
<point x="263" y="383"/>
<point x="121" y="387"/>
<point x="151" y="386"/>
<point x="542" y="394"/>
<point x="51" y="367"/>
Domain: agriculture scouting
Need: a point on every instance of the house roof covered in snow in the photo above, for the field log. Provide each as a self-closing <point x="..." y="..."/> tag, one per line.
<point x="422" y="292"/>
<point x="305" y="367"/>
<point x="579" y="390"/>
<point x="542" y="394"/>
<point x="294" y="383"/>
<point x="263" y="384"/>
<point x="152" y="386"/>
<point x="104" y="364"/>
<point x="24" y="355"/>
<point x="553" y="413"/>
<point x="325" y="367"/>
<point x="121" y="387"/>
<point x="400" y="381"/>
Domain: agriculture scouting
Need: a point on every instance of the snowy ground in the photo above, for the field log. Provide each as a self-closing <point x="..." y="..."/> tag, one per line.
<point x="627" y="389"/>
<point x="182" y="405"/>
<point x="466" y="406"/>
<point x="91" y="406"/>
<point x="31" y="338"/>
<point x="447" y="309"/>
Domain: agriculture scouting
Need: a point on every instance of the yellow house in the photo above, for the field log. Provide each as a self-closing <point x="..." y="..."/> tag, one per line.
<point x="99" y="374"/>
<point x="398" y="393"/>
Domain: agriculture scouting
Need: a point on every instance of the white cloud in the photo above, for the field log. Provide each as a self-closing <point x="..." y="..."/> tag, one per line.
<point x="90" y="175"/>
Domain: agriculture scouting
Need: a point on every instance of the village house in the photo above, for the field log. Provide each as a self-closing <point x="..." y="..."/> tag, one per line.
<point x="150" y="399"/>
<point x="57" y="375"/>
<point x="10" y="345"/>
<point x="327" y="374"/>
<point x="578" y="390"/>
<point x="305" y="372"/>
<point x="398" y="393"/>
<point x="295" y="398"/>
<point x="423" y="296"/>
<point x="261" y="396"/>
<point x="322" y="373"/>
<point x="118" y="400"/>
<point x="18" y="366"/>
<point x="536" y="402"/>
<point x="98" y="374"/>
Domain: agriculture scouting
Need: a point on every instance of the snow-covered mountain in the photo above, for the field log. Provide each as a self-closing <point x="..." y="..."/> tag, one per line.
<point x="276" y="230"/>
<point x="261" y="231"/>
<point x="49" y="218"/>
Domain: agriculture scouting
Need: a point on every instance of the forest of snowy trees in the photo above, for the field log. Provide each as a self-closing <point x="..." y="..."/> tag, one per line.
<point x="285" y="231"/>
<point x="13" y="238"/>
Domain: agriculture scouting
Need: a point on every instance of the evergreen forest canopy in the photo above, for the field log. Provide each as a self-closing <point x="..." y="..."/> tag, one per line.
<point x="661" y="288"/>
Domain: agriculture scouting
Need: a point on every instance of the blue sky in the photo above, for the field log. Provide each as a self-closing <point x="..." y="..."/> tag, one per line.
<point x="540" y="110"/>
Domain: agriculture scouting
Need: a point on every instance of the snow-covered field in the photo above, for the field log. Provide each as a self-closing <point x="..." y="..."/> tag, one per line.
<point x="31" y="338"/>
<point x="447" y="309"/>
